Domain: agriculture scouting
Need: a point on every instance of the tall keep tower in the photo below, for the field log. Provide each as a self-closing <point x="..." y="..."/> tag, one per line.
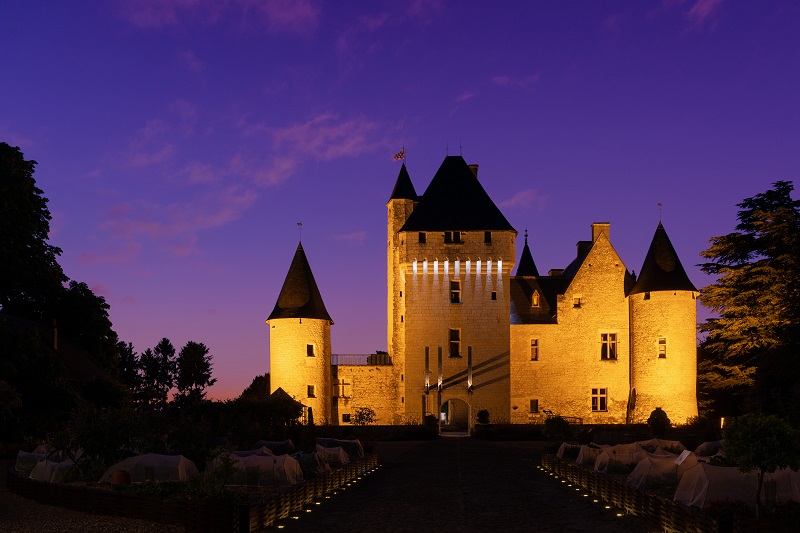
<point x="451" y="252"/>
<point x="300" y="340"/>
<point x="663" y="310"/>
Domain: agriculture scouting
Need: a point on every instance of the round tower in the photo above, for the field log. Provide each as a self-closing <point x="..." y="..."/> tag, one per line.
<point x="300" y="341"/>
<point x="663" y="310"/>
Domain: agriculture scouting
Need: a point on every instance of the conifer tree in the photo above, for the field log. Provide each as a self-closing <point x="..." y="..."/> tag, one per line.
<point x="757" y="298"/>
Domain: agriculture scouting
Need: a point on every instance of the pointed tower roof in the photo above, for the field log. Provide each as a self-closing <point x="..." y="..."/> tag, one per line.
<point x="300" y="297"/>
<point x="403" y="188"/>
<point x="662" y="270"/>
<point x="455" y="200"/>
<point x="526" y="266"/>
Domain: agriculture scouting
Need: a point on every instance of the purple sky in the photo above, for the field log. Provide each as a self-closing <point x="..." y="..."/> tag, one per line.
<point x="180" y="141"/>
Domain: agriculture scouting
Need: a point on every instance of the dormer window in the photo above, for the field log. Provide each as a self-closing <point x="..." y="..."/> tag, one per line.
<point x="452" y="237"/>
<point x="535" y="299"/>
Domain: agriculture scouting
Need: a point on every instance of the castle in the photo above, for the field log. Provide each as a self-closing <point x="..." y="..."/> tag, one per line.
<point x="590" y="341"/>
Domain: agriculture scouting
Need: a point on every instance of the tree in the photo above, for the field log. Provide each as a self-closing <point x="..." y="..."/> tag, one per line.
<point x="756" y="295"/>
<point x="193" y="372"/>
<point x="82" y="317"/>
<point x="128" y="366"/>
<point x="364" y="416"/>
<point x="30" y="276"/>
<point x="257" y="390"/>
<point x="763" y="443"/>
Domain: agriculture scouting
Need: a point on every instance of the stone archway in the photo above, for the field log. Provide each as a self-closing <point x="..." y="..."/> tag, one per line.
<point x="454" y="416"/>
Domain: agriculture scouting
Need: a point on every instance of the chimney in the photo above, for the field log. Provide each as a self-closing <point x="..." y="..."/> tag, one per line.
<point x="583" y="248"/>
<point x="601" y="227"/>
<point x="474" y="169"/>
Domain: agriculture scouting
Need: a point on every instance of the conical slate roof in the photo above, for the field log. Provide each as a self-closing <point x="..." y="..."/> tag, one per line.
<point x="526" y="266"/>
<point x="455" y="200"/>
<point x="403" y="188"/>
<point x="662" y="270"/>
<point x="300" y="297"/>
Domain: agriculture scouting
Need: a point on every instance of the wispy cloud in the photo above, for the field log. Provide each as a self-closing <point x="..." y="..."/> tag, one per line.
<point x="326" y="137"/>
<point x="14" y="138"/>
<point x="279" y="16"/>
<point x="191" y="61"/>
<point x="353" y="238"/>
<point x="703" y="11"/>
<point x="463" y="97"/>
<point x="528" y="198"/>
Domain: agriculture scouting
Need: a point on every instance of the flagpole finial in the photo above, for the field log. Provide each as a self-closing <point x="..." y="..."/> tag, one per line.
<point x="300" y="230"/>
<point x="659" y="211"/>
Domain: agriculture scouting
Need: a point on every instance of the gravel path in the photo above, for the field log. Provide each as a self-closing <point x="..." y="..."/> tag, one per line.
<point x="461" y="485"/>
<point x="451" y="484"/>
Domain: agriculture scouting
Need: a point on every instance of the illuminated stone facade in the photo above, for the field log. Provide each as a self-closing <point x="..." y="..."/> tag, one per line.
<point x="589" y="341"/>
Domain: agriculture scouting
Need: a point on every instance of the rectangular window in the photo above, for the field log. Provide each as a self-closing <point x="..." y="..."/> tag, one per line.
<point x="576" y="301"/>
<point x="455" y="292"/>
<point x="662" y="347"/>
<point x="312" y="391"/>
<point x="452" y="237"/>
<point x="346" y="418"/>
<point x="646" y="295"/>
<point x="534" y="406"/>
<point x="600" y="400"/>
<point x="535" y="299"/>
<point x="608" y="346"/>
<point x="455" y="343"/>
<point x="423" y="237"/>
<point x="494" y="295"/>
<point x="487" y="237"/>
<point x="534" y="349"/>
<point x="309" y="350"/>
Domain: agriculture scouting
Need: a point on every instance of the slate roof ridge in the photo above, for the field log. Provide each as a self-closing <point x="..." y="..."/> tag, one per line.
<point x="403" y="186"/>
<point x="300" y="296"/>
<point x="662" y="269"/>
<point x="526" y="266"/>
<point x="455" y="200"/>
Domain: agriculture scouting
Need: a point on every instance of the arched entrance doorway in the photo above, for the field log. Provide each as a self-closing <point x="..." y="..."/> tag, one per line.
<point x="454" y="416"/>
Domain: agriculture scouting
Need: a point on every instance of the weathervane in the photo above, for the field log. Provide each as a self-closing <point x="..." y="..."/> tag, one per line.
<point x="659" y="211"/>
<point x="300" y="230"/>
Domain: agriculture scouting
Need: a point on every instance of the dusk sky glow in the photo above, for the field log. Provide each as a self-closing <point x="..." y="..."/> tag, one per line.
<point x="181" y="141"/>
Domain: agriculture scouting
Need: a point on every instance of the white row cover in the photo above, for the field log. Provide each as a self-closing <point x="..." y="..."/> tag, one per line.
<point x="155" y="466"/>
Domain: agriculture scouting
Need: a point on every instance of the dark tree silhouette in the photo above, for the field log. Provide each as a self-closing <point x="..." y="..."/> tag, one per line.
<point x="30" y="276"/>
<point x="257" y="390"/>
<point x="193" y="373"/>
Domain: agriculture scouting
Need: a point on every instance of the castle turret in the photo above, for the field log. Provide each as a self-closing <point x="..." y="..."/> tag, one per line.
<point x="526" y="266"/>
<point x="402" y="202"/>
<point x="300" y="340"/>
<point x="663" y="310"/>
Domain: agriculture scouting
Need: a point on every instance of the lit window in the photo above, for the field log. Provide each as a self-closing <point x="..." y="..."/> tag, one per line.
<point x="608" y="346"/>
<point x="452" y="237"/>
<point x="346" y="418"/>
<point x="455" y="292"/>
<point x="535" y="299"/>
<point x="534" y="406"/>
<point x="600" y="400"/>
<point x="494" y="295"/>
<point x="662" y="348"/>
<point x="576" y="301"/>
<point x="455" y="343"/>
<point x="312" y="391"/>
<point x="423" y="237"/>
<point x="310" y="350"/>
<point x="487" y="237"/>
<point x="534" y="349"/>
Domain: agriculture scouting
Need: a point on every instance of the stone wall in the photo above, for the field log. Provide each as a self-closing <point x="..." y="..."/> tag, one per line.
<point x="364" y="386"/>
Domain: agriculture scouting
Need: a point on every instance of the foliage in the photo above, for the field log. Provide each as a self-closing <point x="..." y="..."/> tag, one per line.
<point x="757" y="297"/>
<point x="658" y="421"/>
<point x="483" y="416"/>
<point x="30" y="276"/>
<point x="157" y="370"/>
<point x="363" y="416"/>
<point x="193" y="374"/>
<point x="82" y="318"/>
<point x="557" y="429"/>
<point x="763" y="443"/>
<point x="257" y="390"/>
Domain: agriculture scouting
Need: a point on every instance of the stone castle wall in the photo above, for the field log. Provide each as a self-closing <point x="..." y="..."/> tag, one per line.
<point x="293" y="370"/>
<point x="668" y="382"/>
<point x="365" y="386"/>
